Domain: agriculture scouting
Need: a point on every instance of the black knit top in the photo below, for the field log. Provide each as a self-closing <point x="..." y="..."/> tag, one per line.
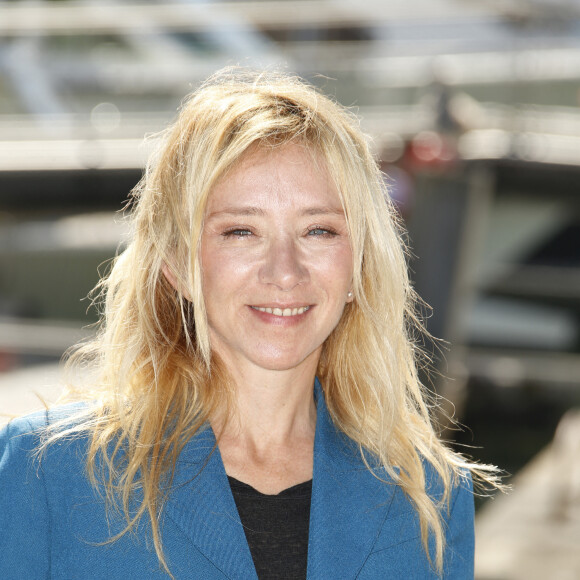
<point x="276" y="528"/>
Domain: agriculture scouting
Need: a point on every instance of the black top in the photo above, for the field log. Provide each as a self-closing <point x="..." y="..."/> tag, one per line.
<point x="276" y="528"/>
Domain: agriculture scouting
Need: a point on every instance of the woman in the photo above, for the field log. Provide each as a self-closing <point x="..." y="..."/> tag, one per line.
<point x="256" y="408"/>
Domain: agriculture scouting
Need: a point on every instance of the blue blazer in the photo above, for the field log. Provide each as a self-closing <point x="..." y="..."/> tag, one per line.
<point x="53" y="523"/>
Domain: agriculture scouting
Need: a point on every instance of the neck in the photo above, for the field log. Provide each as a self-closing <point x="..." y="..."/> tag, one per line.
<point x="268" y="442"/>
<point x="271" y="407"/>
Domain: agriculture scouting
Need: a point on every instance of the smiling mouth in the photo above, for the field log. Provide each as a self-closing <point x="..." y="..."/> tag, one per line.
<point x="283" y="312"/>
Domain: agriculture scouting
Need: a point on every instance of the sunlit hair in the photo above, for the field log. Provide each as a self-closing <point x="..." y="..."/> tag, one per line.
<point x="158" y="382"/>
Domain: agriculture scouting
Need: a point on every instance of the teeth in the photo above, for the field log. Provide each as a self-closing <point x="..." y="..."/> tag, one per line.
<point x="285" y="312"/>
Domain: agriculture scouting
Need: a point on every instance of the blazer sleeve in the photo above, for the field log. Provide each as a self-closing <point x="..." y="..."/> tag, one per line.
<point x="24" y="514"/>
<point x="460" y="537"/>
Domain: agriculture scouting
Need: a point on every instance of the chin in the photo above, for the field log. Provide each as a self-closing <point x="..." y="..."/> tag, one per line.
<point x="279" y="364"/>
<point x="284" y="361"/>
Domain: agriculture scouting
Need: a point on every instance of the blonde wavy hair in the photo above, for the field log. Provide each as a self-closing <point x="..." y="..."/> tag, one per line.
<point x="153" y="391"/>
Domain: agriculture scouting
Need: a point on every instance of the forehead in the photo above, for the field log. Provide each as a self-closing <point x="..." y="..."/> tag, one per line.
<point x="286" y="175"/>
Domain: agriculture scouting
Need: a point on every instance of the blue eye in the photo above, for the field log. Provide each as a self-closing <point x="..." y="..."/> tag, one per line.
<point x="237" y="232"/>
<point x="321" y="232"/>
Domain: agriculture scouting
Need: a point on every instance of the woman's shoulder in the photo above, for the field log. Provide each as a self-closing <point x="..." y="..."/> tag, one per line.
<point x="33" y="467"/>
<point x="22" y="438"/>
<point x="458" y="483"/>
<point x="37" y="422"/>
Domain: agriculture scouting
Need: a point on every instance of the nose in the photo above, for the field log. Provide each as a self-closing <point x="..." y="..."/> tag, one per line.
<point x="283" y="265"/>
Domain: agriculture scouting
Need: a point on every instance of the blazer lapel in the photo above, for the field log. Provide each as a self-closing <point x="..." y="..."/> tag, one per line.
<point x="202" y="506"/>
<point x="349" y="505"/>
<point x="350" y="508"/>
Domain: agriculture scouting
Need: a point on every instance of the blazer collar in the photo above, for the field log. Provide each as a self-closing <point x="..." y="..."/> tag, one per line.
<point x="202" y="506"/>
<point x="348" y="509"/>
<point x="349" y="505"/>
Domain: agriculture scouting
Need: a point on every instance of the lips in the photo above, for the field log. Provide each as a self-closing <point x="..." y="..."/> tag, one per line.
<point x="282" y="311"/>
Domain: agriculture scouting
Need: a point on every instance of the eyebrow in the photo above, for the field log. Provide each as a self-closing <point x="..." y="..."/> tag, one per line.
<point x="323" y="211"/>
<point x="252" y="210"/>
<point x="235" y="211"/>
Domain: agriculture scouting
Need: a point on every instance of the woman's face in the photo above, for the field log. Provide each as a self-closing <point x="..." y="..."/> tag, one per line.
<point x="276" y="261"/>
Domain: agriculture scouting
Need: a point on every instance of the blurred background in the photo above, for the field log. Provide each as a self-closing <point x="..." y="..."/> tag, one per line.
<point x="474" y="111"/>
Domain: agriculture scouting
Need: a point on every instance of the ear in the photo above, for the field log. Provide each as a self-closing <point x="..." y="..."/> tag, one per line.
<point x="350" y="296"/>
<point x="172" y="279"/>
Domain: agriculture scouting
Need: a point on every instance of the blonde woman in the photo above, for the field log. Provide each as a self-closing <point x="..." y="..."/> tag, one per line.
<point x="256" y="411"/>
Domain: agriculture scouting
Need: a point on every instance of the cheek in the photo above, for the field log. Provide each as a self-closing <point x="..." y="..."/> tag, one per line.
<point x="224" y="269"/>
<point x="339" y="267"/>
<point x="334" y="273"/>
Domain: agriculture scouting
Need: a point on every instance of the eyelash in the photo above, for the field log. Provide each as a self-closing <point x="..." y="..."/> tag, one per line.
<point x="245" y="232"/>
<point x="237" y="232"/>
<point x="327" y="232"/>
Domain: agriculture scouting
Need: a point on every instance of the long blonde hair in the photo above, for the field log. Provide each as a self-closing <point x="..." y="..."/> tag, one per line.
<point x="158" y="383"/>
